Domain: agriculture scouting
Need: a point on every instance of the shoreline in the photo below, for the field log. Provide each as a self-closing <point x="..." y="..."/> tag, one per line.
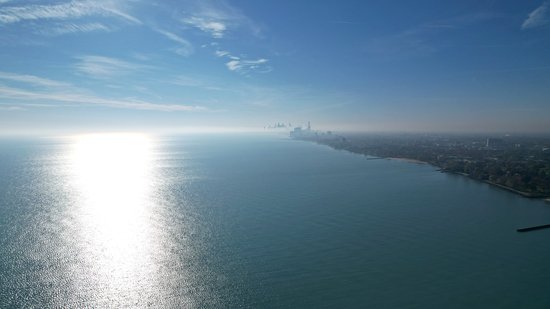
<point x="544" y="198"/>
<point x="524" y="194"/>
<point x="414" y="161"/>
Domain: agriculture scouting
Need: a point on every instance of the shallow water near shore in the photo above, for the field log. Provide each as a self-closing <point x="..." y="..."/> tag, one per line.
<point x="256" y="221"/>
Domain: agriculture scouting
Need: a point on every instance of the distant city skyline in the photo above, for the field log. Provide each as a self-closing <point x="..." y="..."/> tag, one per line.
<point x="206" y="65"/>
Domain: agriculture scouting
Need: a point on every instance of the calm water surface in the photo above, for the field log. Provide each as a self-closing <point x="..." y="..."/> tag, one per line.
<point x="256" y="221"/>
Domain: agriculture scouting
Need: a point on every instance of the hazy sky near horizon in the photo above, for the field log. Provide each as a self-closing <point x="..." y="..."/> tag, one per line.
<point x="468" y="65"/>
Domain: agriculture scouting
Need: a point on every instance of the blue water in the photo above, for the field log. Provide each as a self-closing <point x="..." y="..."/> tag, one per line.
<point x="258" y="221"/>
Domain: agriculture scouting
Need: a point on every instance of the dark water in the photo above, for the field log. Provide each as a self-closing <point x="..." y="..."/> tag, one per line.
<point x="256" y="221"/>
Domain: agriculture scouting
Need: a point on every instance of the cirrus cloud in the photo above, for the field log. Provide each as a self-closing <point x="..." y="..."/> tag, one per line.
<point x="539" y="17"/>
<point x="63" y="11"/>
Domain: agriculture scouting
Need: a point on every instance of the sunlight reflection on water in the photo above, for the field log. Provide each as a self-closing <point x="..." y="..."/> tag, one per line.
<point x="119" y="232"/>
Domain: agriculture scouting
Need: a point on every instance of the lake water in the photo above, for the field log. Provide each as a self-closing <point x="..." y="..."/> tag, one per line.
<point x="252" y="221"/>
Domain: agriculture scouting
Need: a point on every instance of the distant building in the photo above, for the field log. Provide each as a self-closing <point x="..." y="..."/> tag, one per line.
<point x="494" y="143"/>
<point x="301" y="132"/>
<point x="296" y="131"/>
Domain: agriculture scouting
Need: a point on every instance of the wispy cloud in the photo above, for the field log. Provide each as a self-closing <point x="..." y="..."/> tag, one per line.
<point x="185" y="48"/>
<point x="216" y="18"/>
<point x="72" y="28"/>
<point x="11" y="108"/>
<point x="221" y="53"/>
<point x="539" y="17"/>
<point x="31" y="80"/>
<point x="237" y="64"/>
<point x="63" y="11"/>
<point x="246" y="65"/>
<point x="105" y="67"/>
<point x="71" y="97"/>
<point x="114" y="11"/>
<point x="24" y="88"/>
<point x="213" y="27"/>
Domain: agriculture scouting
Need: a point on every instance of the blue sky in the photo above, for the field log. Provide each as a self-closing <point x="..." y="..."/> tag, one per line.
<point x="426" y="65"/>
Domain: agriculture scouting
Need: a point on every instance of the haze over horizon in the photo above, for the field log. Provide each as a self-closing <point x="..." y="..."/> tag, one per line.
<point x="460" y="66"/>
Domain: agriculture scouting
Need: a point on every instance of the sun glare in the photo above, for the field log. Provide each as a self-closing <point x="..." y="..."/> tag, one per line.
<point x="112" y="174"/>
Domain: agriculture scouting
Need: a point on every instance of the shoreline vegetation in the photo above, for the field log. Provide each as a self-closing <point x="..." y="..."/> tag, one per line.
<point x="521" y="170"/>
<point x="510" y="189"/>
<point x="524" y="194"/>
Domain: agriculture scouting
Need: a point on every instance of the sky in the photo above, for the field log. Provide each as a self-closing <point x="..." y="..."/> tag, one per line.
<point x="407" y="66"/>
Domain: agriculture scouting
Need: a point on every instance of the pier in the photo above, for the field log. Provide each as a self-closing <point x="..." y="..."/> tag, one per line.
<point x="534" y="228"/>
